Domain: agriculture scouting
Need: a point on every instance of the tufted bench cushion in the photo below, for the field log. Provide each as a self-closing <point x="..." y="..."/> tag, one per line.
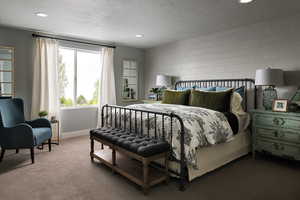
<point x="141" y="145"/>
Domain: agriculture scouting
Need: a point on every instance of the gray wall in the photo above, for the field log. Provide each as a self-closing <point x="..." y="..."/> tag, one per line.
<point x="22" y="41"/>
<point x="235" y="53"/>
<point x="71" y="119"/>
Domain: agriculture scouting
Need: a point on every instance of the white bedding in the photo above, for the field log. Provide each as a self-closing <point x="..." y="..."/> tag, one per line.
<point x="203" y="127"/>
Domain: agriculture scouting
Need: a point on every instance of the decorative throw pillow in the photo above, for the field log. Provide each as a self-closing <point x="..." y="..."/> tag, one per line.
<point x="240" y="90"/>
<point x="176" y="97"/>
<point x="219" y="101"/>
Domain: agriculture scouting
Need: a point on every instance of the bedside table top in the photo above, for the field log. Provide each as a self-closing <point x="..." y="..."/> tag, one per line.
<point x="261" y="111"/>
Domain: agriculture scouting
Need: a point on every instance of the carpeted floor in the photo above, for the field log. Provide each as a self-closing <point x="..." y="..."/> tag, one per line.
<point x="67" y="173"/>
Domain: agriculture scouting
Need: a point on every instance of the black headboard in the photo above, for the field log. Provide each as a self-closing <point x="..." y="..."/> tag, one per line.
<point x="249" y="84"/>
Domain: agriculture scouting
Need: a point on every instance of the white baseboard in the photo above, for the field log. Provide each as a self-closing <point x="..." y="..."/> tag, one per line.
<point x="66" y="135"/>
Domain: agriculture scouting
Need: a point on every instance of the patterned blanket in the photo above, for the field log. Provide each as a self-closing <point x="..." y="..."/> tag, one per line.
<point x="203" y="127"/>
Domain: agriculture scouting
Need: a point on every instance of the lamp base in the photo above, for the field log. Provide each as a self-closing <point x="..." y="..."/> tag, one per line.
<point x="269" y="95"/>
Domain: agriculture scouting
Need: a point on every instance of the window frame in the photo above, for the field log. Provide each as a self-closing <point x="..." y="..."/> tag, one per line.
<point x="76" y="49"/>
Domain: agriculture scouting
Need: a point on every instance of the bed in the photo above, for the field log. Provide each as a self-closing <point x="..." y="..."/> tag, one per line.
<point x="193" y="154"/>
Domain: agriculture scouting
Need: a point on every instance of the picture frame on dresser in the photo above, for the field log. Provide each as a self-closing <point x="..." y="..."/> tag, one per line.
<point x="280" y="105"/>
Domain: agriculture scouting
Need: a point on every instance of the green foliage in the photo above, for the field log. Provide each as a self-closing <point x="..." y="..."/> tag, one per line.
<point x="81" y="100"/>
<point x="62" y="78"/>
<point x="156" y="90"/>
<point x="95" y="99"/>
<point x="66" y="102"/>
<point x="43" y="113"/>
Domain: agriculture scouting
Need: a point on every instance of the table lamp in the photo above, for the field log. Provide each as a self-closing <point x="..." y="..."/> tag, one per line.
<point x="271" y="78"/>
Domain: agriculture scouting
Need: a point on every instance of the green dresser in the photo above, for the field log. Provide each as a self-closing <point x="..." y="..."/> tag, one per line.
<point x="277" y="133"/>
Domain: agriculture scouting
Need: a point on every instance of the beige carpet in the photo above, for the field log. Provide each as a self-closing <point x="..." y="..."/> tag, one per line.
<point x="67" y="173"/>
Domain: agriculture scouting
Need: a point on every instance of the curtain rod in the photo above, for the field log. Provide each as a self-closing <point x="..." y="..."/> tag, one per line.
<point x="69" y="40"/>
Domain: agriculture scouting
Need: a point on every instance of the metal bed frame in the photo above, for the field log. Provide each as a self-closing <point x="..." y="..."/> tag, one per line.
<point x="116" y="121"/>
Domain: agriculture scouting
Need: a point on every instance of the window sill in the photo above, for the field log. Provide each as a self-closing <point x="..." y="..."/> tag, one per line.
<point x="78" y="107"/>
<point x="130" y="100"/>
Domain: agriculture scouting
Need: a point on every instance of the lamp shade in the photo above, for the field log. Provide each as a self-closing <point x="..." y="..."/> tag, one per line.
<point x="163" y="80"/>
<point x="269" y="77"/>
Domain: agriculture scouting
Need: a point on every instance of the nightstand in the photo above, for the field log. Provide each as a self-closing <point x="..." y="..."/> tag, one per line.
<point x="276" y="133"/>
<point x="149" y="101"/>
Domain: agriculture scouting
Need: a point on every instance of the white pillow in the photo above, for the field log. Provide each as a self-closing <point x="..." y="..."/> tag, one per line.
<point x="236" y="104"/>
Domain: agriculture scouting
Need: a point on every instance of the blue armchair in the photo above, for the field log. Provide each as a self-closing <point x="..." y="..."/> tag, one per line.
<point x="16" y="133"/>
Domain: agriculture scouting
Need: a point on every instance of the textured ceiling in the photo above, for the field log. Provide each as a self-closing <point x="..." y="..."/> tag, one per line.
<point x="160" y="21"/>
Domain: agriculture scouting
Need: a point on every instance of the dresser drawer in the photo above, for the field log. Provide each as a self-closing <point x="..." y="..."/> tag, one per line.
<point x="276" y="121"/>
<point x="278" y="148"/>
<point x="286" y="135"/>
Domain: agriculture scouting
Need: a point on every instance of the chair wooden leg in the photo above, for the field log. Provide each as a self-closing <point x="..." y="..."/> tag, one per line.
<point x="17" y="150"/>
<point x="2" y="154"/>
<point x="49" y="145"/>
<point x="32" y="154"/>
<point x="92" y="150"/>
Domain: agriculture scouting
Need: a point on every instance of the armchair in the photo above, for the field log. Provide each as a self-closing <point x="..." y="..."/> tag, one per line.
<point x="16" y="133"/>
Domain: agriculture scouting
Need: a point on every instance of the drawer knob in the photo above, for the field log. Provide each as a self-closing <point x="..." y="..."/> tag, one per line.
<point x="278" y="121"/>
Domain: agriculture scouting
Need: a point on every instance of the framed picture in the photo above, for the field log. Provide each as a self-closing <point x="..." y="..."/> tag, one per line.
<point x="280" y="105"/>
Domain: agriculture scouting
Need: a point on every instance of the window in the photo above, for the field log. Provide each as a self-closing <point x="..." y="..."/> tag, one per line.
<point x="7" y="87"/>
<point x="129" y="80"/>
<point x="79" y="76"/>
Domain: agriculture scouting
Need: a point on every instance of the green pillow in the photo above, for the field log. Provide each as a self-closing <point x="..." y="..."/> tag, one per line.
<point x="219" y="101"/>
<point x="176" y="97"/>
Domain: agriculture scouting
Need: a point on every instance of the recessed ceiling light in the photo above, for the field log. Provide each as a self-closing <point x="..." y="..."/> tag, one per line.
<point x="139" y="35"/>
<point x="40" y="14"/>
<point x="245" y="1"/>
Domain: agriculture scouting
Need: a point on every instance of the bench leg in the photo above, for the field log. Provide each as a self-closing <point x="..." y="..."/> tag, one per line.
<point x="146" y="176"/>
<point x="102" y="146"/>
<point x="167" y="168"/>
<point x="17" y="151"/>
<point x="113" y="155"/>
<point x="92" y="150"/>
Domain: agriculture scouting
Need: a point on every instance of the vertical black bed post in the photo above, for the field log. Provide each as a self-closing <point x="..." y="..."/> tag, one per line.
<point x="183" y="174"/>
<point x="102" y="115"/>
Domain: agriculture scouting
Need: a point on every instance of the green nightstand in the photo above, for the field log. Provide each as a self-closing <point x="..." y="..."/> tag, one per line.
<point x="149" y="101"/>
<point x="276" y="133"/>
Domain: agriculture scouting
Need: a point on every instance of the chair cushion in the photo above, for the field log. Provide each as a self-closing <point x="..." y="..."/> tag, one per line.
<point x="11" y="112"/>
<point x="141" y="145"/>
<point x="40" y="135"/>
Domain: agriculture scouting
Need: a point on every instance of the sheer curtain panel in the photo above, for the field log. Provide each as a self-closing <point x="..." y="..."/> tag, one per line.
<point x="45" y="94"/>
<point x="107" y="80"/>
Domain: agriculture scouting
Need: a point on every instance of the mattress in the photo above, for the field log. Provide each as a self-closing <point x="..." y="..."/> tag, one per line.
<point x="213" y="157"/>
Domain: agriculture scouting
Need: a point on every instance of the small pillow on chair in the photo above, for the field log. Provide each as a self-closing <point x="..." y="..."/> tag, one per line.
<point x="219" y="101"/>
<point x="176" y="97"/>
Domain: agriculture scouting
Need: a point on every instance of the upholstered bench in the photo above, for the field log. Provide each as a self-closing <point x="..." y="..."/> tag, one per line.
<point x="142" y="148"/>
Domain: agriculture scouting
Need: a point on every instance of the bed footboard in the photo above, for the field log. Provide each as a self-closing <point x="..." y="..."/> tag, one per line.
<point x="133" y="121"/>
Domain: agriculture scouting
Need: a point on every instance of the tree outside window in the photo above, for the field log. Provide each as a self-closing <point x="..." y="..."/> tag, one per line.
<point x="79" y="77"/>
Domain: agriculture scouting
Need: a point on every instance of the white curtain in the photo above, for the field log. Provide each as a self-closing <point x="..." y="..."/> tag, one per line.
<point x="107" y="94"/>
<point x="45" y="94"/>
